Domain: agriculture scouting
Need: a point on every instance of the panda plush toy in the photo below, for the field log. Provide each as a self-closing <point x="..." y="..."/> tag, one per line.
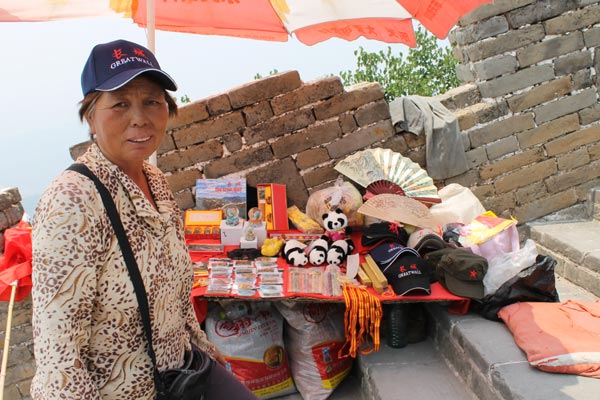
<point x="317" y="250"/>
<point x="294" y="253"/>
<point x="335" y="224"/>
<point x="336" y="228"/>
<point x="339" y="250"/>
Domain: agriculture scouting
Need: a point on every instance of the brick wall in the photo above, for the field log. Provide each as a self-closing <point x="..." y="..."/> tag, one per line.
<point x="533" y="139"/>
<point x="528" y="112"/>
<point x="277" y="129"/>
<point x="21" y="366"/>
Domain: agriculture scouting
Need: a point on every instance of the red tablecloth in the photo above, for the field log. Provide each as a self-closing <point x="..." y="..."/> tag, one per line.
<point x="457" y="304"/>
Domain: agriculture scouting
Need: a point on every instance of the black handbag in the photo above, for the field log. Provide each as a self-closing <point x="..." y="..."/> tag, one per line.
<point x="188" y="382"/>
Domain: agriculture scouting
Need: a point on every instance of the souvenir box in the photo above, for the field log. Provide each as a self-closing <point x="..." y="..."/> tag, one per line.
<point x="272" y="202"/>
<point x="203" y="224"/>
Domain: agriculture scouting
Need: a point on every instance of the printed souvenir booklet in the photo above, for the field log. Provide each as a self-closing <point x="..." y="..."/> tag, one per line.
<point x="214" y="194"/>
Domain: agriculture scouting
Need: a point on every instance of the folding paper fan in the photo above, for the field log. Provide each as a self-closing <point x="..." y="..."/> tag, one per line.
<point x="394" y="208"/>
<point x="382" y="186"/>
<point x="371" y="165"/>
<point x="361" y="167"/>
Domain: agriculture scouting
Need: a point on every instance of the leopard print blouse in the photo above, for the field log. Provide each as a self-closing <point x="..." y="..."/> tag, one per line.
<point x="88" y="336"/>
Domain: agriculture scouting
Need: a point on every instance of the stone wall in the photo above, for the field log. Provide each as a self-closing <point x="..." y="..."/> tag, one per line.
<point x="277" y="129"/>
<point x="533" y="139"/>
<point x="21" y="366"/>
<point x="528" y="112"/>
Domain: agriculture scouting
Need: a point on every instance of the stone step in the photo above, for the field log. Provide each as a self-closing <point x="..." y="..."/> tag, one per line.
<point x="576" y="248"/>
<point x="485" y="356"/>
<point x="400" y="373"/>
<point x="416" y="372"/>
<point x="464" y="357"/>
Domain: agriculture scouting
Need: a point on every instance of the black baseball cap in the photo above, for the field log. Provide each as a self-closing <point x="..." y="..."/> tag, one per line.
<point x="385" y="253"/>
<point x="112" y="65"/>
<point x="409" y="274"/>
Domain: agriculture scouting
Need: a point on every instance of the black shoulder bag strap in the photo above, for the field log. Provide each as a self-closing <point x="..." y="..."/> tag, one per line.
<point x="134" y="272"/>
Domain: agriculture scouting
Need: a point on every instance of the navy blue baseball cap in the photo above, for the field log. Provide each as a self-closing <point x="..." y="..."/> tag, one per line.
<point x="112" y="65"/>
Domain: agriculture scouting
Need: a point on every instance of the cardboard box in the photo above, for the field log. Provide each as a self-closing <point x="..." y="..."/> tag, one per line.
<point x="232" y="234"/>
<point x="272" y="202"/>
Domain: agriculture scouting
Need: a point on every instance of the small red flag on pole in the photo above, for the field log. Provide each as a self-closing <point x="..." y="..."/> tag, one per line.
<point x="15" y="263"/>
<point x="15" y="279"/>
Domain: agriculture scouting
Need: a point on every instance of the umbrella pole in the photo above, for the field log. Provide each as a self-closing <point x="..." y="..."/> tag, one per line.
<point x="150" y="39"/>
<point x="150" y="25"/>
<point x="7" y="337"/>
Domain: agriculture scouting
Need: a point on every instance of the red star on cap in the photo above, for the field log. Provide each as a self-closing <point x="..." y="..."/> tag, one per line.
<point x="402" y="269"/>
<point x="413" y="266"/>
<point x="473" y="273"/>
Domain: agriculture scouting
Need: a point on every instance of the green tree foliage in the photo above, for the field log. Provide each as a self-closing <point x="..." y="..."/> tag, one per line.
<point x="272" y="72"/>
<point x="427" y="70"/>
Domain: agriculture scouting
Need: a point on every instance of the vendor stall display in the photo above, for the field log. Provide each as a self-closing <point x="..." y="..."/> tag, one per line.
<point x="332" y="260"/>
<point x="305" y="282"/>
<point x="385" y="251"/>
<point x="305" y="262"/>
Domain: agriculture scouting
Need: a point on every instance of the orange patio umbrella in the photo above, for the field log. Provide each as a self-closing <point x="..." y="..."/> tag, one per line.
<point x="310" y="21"/>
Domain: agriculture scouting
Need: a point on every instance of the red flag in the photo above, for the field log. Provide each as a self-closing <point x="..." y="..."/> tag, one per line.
<point x="15" y="263"/>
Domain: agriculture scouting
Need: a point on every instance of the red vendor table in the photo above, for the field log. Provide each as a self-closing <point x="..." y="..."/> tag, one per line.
<point x="456" y="304"/>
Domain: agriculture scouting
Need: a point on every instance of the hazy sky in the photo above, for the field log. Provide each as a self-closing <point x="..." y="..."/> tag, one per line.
<point x="40" y="71"/>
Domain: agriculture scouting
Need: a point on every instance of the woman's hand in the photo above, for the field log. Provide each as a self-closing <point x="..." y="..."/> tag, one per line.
<point x="219" y="357"/>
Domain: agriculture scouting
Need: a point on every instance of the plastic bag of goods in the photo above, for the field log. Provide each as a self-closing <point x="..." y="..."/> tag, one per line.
<point x="458" y="204"/>
<point x="314" y="335"/>
<point x="489" y="235"/>
<point x="342" y="195"/>
<point x="506" y="265"/>
<point x="250" y="337"/>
